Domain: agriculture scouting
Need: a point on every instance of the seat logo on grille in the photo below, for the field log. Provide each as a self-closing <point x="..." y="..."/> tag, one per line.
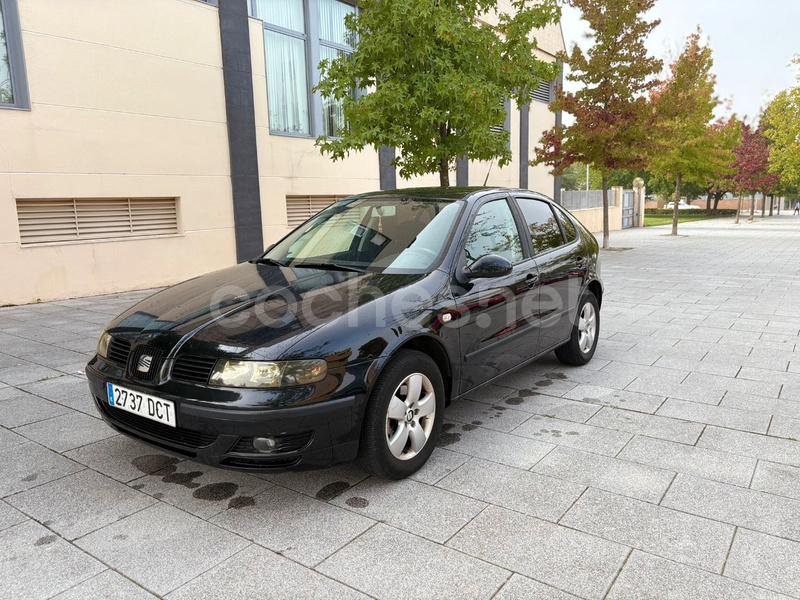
<point x="144" y="364"/>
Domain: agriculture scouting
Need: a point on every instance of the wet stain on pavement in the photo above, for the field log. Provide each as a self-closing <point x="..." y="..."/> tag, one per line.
<point x="47" y="539"/>
<point x="158" y="495"/>
<point x="357" y="502"/>
<point x="477" y="422"/>
<point x="526" y="393"/>
<point x="516" y="401"/>
<point x="332" y="490"/>
<point x="120" y="537"/>
<point x="138" y="486"/>
<point x="241" y="502"/>
<point x="469" y="427"/>
<point x="544" y="383"/>
<point x="184" y="479"/>
<point x="573" y="433"/>
<point x="30" y="477"/>
<point x="215" y="492"/>
<point x="556" y="376"/>
<point x="150" y="463"/>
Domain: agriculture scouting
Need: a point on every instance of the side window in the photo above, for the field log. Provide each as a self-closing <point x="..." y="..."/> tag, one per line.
<point x="494" y="231"/>
<point x="567" y="225"/>
<point x="545" y="232"/>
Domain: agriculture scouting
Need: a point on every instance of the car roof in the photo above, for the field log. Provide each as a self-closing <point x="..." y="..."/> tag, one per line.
<point x="449" y="193"/>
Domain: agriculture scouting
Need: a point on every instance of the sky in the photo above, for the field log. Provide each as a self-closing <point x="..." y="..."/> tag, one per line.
<point x="753" y="43"/>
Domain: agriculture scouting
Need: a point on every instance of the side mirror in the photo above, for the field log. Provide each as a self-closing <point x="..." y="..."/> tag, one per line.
<point x="490" y="265"/>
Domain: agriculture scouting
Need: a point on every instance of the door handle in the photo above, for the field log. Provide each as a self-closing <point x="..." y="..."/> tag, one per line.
<point x="531" y="279"/>
<point x="579" y="260"/>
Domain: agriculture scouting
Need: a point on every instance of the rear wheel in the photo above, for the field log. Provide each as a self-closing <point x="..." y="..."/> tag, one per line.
<point x="583" y="341"/>
<point x="403" y="417"/>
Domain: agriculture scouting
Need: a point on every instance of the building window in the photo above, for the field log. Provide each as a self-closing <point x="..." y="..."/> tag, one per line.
<point x="298" y="34"/>
<point x="54" y="220"/>
<point x="506" y="126"/>
<point x="13" y="82"/>
<point x="545" y="92"/>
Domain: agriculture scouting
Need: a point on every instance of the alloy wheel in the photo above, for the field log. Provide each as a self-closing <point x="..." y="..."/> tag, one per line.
<point x="411" y="415"/>
<point x="587" y="328"/>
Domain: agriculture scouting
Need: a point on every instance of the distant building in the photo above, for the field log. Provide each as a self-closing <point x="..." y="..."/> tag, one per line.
<point x="143" y="142"/>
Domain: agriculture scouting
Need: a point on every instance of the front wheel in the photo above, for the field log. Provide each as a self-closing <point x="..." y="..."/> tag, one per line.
<point x="583" y="341"/>
<point x="403" y="416"/>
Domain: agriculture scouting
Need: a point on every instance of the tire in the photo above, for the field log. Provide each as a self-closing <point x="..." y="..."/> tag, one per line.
<point x="392" y="442"/>
<point x="579" y="350"/>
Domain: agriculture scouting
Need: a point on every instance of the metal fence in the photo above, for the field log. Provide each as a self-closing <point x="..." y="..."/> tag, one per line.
<point x="575" y="200"/>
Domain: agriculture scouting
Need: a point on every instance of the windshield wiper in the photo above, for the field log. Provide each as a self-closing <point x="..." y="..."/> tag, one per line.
<point x="268" y="261"/>
<point x="329" y="265"/>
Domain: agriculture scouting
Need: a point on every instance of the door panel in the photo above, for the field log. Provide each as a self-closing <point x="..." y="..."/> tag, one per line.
<point x="494" y="314"/>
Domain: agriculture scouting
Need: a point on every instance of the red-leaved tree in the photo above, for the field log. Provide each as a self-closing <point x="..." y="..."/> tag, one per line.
<point x="751" y="167"/>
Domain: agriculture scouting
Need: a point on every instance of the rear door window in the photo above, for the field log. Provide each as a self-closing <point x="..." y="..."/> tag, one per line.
<point x="542" y="225"/>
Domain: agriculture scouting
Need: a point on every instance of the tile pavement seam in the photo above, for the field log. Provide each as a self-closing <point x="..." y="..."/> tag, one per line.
<point x="633" y="437"/>
<point x="510" y="575"/>
<point x="574" y="502"/>
<point x="250" y="545"/>
<point x="619" y="572"/>
<point x="730" y="547"/>
<point x="444" y="543"/>
<point x="664" y="495"/>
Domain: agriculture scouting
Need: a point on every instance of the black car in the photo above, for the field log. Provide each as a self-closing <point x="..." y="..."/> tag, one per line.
<point x="350" y="336"/>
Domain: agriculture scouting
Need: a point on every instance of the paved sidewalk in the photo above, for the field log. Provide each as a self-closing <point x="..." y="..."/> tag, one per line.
<point x="669" y="467"/>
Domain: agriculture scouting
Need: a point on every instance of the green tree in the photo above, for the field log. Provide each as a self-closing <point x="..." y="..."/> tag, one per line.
<point x="437" y="79"/>
<point x="781" y="123"/>
<point x="611" y="109"/>
<point x="687" y="146"/>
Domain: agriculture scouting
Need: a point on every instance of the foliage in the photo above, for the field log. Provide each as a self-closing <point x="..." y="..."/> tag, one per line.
<point x="720" y="212"/>
<point x="781" y="123"/>
<point x="611" y="109"/>
<point x="751" y="167"/>
<point x="437" y="78"/>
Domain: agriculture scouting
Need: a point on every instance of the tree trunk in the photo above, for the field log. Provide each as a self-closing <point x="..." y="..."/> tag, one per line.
<point x="738" y="208"/>
<point x="675" y="204"/>
<point x="708" y="202"/>
<point x="752" y="207"/>
<point x="444" y="173"/>
<point x="717" y="198"/>
<point x="763" y="203"/>
<point x="771" y="203"/>
<point x="605" y="212"/>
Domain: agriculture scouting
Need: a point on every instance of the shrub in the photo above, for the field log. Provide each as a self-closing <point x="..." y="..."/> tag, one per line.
<point x="721" y="212"/>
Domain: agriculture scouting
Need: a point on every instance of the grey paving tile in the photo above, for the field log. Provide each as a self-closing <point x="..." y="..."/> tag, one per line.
<point x="384" y="554"/>
<point x="606" y="473"/>
<point x="574" y="435"/>
<point x="67" y="431"/>
<point x="775" y="478"/>
<point x="9" y="438"/>
<point x="648" y="577"/>
<point x="715" y="415"/>
<point x="201" y="490"/>
<point x="551" y="406"/>
<point x="563" y="558"/>
<point x="751" y="444"/>
<point x="440" y="464"/>
<point x="34" y="563"/>
<point x="769" y="389"/>
<point x="785" y="427"/>
<point x="664" y="428"/>
<point x="752" y="509"/>
<point x="80" y="503"/>
<point x="299" y="527"/>
<point x="489" y="394"/>
<point x="701" y="462"/>
<point x="137" y="546"/>
<point x="486" y="415"/>
<point x="701" y="366"/>
<point x="504" y="448"/>
<point x="445" y="514"/>
<point x="26" y="373"/>
<point x="104" y="586"/>
<point x="121" y="458"/>
<point x="258" y="573"/>
<point x="71" y="391"/>
<point x="28" y="409"/>
<point x="530" y="493"/>
<point x="637" y="401"/>
<point x="10" y="516"/>
<point x="685" y="538"/>
<point x="524" y="588"/>
<point x="27" y="465"/>
<point x="759" y="404"/>
<point x="765" y="561"/>
<point x="323" y="484"/>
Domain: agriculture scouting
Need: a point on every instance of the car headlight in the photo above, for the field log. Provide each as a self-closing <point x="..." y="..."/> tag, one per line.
<point x="254" y="374"/>
<point x="102" y="345"/>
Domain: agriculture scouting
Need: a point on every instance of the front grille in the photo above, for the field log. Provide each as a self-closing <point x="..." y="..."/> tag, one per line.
<point x="174" y="435"/>
<point x="260" y="462"/>
<point x="118" y="351"/>
<point x="154" y="365"/>
<point x="286" y="443"/>
<point x="194" y="369"/>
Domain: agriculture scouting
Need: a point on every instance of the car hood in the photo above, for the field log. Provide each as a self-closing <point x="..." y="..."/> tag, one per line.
<point x="245" y="308"/>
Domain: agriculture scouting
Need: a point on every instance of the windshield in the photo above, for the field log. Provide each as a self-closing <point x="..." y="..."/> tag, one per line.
<point x="386" y="234"/>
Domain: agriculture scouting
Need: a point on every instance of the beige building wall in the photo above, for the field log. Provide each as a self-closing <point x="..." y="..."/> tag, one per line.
<point x="127" y="100"/>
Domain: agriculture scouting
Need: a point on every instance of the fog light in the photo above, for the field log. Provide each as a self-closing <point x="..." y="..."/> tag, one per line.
<point x="265" y="444"/>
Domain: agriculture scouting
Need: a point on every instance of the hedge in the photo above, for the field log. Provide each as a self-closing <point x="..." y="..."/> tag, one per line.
<point x="720" y="212"/>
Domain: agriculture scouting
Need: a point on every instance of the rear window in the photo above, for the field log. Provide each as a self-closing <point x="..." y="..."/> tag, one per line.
<point x="566" y="223"/>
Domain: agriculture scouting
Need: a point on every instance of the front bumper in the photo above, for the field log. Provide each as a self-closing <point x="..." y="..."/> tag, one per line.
<point x="309" y="437"/>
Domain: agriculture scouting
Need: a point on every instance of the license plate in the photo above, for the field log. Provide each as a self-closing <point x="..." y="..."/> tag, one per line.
<point x="143" y="405"/>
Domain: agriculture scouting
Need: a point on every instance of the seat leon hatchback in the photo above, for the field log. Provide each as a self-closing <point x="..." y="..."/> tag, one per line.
<point x="350" y="336"/>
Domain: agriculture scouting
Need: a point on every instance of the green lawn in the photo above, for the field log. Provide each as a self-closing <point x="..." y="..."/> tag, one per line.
<point x="683" y="217"/>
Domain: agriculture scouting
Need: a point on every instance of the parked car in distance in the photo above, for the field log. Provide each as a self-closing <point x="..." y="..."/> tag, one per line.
<point x="349" y="337"/>
<point x="682" y="205"/>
